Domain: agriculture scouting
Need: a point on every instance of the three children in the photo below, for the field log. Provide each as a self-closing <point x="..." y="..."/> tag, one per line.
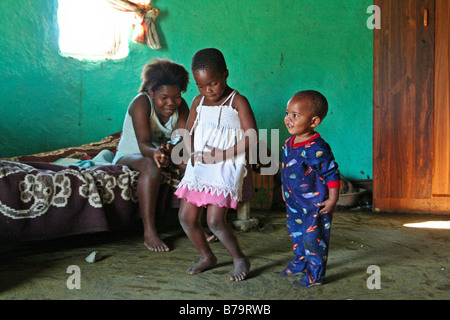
<point x="218" y="122"/>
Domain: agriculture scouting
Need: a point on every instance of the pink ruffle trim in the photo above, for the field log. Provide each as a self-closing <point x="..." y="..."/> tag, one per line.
<point x="202" y="199"/>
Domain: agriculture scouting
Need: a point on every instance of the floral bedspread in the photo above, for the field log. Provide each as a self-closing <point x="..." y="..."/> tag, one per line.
<point x="40" y="200"/>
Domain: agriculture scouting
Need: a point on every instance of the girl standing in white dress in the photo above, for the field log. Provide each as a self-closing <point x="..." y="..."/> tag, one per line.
<point x="222" y="126"/>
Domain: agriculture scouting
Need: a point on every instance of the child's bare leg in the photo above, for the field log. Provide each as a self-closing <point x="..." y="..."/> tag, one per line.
<point x="216" y="218"/>
<point x="148" y="191"/>
<point x="190" y="219"/>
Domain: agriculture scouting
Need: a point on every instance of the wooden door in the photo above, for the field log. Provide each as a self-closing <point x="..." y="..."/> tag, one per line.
<point x="411" y="139"/>
<point x="441" y="176"/>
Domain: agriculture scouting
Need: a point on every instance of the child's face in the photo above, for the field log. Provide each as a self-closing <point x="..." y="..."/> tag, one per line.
<point x="299" y="119"/>
<point x="212" y="85"/>
<point x="166" y="100"/>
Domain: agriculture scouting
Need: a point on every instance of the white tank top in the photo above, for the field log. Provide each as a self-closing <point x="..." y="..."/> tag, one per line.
<point x="160" y="133"/>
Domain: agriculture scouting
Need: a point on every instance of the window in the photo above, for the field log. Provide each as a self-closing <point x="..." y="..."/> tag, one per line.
<point x="92" y="29"/>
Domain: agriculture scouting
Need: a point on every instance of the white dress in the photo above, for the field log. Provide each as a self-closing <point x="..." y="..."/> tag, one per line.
<point x="218" y="183"/>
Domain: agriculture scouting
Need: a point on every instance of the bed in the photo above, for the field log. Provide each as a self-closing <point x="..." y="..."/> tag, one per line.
<point x="74" y="191"/>
<point x="44" y="196"/>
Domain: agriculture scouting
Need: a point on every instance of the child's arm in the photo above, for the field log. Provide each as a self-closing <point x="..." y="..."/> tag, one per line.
<point x="183" y="115"/>
<point x="330" y="204"/>
<point x="328" y="169"/>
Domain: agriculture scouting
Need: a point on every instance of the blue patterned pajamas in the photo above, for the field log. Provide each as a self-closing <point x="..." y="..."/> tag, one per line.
<point x="308" y="170"/>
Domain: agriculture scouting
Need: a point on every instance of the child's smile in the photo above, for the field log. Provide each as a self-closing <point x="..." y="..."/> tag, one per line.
<point x="299" y="119"/>
<point x="166" y="100"/>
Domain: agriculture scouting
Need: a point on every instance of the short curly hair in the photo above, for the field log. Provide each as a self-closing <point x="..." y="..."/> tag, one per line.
<point x="319" y="104"/>
<point x="210" y="59"/>
<point x="163" y="72"/>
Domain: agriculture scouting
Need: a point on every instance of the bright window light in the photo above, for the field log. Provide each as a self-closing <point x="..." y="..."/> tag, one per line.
<point x="429" y="224"/>
<point x="91" y="29"/>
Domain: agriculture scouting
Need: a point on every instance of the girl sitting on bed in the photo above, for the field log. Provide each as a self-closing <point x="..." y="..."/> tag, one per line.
<point x="144" y="146"/>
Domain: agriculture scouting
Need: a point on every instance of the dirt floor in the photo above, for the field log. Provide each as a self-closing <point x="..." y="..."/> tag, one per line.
<point x="413" y="263"/>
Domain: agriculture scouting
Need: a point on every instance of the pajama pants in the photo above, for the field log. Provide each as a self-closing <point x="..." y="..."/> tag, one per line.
<point x="307" y="169"/>
<point x="309" y="232"/>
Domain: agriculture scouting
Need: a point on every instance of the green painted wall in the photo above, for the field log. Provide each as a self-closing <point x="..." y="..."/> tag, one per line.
<point x="273" y="49"/>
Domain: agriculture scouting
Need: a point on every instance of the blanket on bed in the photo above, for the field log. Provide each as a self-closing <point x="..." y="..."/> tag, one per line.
<point x="43" y="200"/>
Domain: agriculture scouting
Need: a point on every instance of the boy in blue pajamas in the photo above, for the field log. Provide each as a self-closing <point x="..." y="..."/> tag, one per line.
<point x="310" y="187"/>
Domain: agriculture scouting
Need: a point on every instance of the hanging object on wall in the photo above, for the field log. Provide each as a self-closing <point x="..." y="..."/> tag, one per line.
<point x="144" y="28"/>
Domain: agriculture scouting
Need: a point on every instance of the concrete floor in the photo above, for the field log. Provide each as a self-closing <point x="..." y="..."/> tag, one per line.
<point x="413" y="263"/>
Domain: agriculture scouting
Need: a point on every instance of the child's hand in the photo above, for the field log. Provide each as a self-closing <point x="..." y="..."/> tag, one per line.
<point x="328" y="206"/>
<point x="167" y="147"/>
<point x="161" y="157"/>
<point x="214" y="155"/>
<point x="197" y="157"/>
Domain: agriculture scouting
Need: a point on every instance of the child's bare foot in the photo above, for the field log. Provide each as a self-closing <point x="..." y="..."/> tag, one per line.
<point x="202" y="264"/>
<point x="241" y="270"/>
<point x="156" y="244"/>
